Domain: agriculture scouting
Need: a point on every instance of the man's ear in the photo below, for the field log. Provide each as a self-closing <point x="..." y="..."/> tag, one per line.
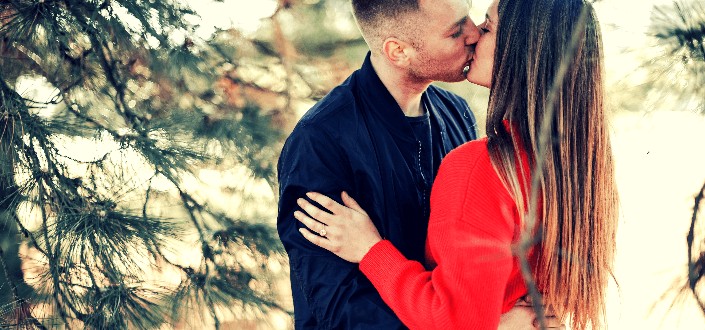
<point x="398" y="52"/>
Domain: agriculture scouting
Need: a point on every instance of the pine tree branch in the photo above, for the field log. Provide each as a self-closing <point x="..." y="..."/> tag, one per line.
<point x="94" y="284"/>
<point x="108" y="64"/>
<point x="40" y="136"/>
<point x="11" y="96"/>
<point x="30" y="235"/>
<point x="694" y="270"/>
<point x="14" y="50"/>
<point x="44" y="197"/>
<point x="53" y="267"/>
<point x="9" y="49"/>
<point x="13" y="286"/>
<point x="10" y="199"/>
<point x="191" y="206"/>
<point x="62" y="201"/>
<point x="98" y="161"/>
<point x="23" y="314"/>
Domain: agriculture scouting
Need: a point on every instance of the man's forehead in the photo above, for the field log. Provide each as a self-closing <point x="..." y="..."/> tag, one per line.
<point x="445" y="12"/>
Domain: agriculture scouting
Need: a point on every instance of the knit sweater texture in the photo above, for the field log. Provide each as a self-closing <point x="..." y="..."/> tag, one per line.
<point x="473" y="276"/>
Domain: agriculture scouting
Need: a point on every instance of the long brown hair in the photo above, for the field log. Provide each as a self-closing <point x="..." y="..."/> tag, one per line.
<point x="548" y="67"/>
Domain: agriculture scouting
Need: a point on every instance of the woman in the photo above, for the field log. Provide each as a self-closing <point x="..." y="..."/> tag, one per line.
<point x="480" y="201"/>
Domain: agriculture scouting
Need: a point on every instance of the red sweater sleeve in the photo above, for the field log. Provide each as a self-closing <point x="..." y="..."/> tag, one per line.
<point x="471" y="229"/>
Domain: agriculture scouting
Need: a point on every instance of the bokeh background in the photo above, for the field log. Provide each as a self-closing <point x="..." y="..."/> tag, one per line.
<point x="140" y="138"/>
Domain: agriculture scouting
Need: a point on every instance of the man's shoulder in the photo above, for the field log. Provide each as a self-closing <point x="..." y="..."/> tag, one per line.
<point x="331" y="118"/>
<point x="338" y="106"/>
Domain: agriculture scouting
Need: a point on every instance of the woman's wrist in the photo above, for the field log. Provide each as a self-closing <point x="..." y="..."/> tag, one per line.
<point x="374" y="250"/>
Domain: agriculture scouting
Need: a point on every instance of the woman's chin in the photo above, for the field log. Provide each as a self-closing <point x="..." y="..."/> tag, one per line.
<point x="475" y="80"/>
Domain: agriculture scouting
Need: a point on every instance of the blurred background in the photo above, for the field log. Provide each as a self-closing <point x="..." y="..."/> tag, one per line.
<point x="139" y="139"/>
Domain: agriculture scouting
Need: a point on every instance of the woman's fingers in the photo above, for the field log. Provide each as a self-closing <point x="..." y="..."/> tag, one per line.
<point x="311" y="224"/>
<point x="315" y="239"/>
<point x="313" y="211"/>
<point x="351" y="203"/>
<point x="327" y="202"/>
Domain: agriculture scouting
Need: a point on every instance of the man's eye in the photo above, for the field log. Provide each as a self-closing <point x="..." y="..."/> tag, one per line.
<point x="457" y="34"/>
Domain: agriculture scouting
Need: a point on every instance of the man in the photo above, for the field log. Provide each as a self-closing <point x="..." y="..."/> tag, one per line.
<point x="380" y="136"/>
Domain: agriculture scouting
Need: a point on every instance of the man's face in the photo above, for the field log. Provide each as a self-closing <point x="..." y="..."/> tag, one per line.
<point x="445" y="41"/>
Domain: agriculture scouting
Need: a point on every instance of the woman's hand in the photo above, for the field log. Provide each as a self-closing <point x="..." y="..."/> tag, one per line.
<point x="348" y="232"/>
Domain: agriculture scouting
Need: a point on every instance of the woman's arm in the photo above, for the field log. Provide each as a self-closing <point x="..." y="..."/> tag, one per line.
<point x="470" y="236"/>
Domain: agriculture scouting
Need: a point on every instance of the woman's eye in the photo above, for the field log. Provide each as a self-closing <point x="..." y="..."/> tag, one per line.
<point x="484" y="29"/>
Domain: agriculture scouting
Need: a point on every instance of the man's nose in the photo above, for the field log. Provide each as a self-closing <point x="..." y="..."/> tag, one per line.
<point x="472" y="33"/>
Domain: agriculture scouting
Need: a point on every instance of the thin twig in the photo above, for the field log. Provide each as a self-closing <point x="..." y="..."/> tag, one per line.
<point x="693" y="278"/>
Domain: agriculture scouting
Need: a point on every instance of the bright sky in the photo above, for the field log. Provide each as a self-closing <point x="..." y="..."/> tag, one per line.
<point x="245" y="15"/>
<point x="632" y="16"/>
<point x="624" y="23"/>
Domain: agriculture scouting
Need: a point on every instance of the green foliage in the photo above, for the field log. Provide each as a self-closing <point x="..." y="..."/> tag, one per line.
<point x="678" y="69"/>
<point x="133" y="114"/>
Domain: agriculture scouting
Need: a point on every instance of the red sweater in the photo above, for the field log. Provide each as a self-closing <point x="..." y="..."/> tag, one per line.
<point x="473" y="223"/>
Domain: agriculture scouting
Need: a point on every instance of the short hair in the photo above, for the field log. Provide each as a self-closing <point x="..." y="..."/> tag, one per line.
<point x="379" y="19"/>
<point x="371" y="10"/>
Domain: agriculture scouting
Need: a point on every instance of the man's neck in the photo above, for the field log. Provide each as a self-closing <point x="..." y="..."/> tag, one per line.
<point x="406" y="92"/>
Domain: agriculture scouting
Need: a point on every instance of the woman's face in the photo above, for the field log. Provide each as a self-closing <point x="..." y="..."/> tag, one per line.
<point x="483" y="59"/>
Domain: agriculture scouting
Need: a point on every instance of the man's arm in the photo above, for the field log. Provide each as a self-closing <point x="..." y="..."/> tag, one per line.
<point x="337" y="293"/>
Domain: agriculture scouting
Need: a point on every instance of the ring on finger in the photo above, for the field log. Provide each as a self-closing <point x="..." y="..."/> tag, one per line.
<point x="322" y="232"/>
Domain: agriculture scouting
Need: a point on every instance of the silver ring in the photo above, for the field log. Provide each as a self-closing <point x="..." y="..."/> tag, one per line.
<point x="322" y="232"/>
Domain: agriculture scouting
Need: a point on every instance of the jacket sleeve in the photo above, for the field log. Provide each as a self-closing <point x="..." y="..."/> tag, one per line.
<point x="470" y="235"/>
<point x="335" y="291"/>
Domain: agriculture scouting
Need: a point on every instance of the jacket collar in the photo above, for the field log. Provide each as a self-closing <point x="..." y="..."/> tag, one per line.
<point x="382" y="104"/>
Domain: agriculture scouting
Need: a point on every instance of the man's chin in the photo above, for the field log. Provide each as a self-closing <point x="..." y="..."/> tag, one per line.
<point x="454" y="79"/>
<point x="450" y="76"/>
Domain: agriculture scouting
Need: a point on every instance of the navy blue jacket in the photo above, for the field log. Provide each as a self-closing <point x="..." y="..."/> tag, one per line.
<point x="357" y="139"/>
